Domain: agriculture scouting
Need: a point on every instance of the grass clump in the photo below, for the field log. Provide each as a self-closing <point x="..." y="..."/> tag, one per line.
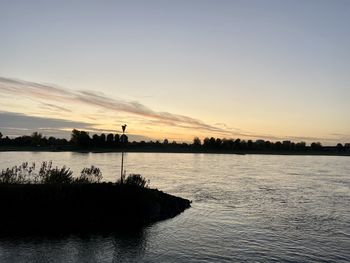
<point x="136" y="180"/>
<point x="59" y="176"/>
<point x="48" y="174"/>
<point x="90" y="175"/>
<point x="20" y="174"/>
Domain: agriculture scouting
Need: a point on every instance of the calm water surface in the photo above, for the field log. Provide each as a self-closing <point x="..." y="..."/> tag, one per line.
<point x="253" y="208"/>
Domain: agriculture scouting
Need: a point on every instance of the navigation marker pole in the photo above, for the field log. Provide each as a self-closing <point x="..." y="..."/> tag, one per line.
<point x="122" y="166"/>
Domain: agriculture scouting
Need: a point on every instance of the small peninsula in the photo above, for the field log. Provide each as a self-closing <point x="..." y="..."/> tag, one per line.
<point x="53" y="201"/>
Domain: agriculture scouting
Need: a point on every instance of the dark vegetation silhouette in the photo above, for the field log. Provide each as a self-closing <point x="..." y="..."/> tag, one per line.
<point x="81" y="140"/>
<point x="134" y="179"/>
<point x="51" y="199"/>
<point x="47" y="174"/>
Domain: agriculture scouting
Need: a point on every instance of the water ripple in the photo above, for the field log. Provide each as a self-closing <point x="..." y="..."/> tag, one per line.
<point x="246" y="208"/>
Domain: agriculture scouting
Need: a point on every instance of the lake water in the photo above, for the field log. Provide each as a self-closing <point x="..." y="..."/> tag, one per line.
<point x="246" y="208"/>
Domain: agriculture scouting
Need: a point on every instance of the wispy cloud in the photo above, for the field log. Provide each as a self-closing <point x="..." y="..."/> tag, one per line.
<point x="54" y="107"/>
<point x="54" y="93"/>
<point x="22" y="121"/>
<point x="52" y="97"/>
<point x="17" y="124"/>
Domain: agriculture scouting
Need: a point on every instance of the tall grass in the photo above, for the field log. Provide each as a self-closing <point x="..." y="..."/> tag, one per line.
<point x="90" y="175"/>
<point x="48" y="174"/>
<point x="137" y="180"/>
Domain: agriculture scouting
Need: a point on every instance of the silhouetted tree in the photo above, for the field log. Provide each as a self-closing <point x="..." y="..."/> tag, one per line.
<point x="218" y="142"/>
<point x="184" y="145"/>
<point x="110" y="139"/>
<point x="278" y="145"/>
<point x="340" y="147"/>
<point x="315" y="146"/>
<point x="212" y="143"/>
<point x="250" y="145"/>
<point x="206" y="142"/>
<point x="103" y="139"/>
<point x="237" y="144"/>
<point x="227" y="144"/>
<point x="52" y="140"/>
<point x="6" y="141"/>
<point x="259" y="145"/>
<point x="124" y="139"/>
<point x="80" y="138"/>
<point x="197" y="142"/>
<point x="36" y="138"/>
<point x="117" y="139"/>
<point x="243" y="145"/>
<point x="286" y="145"/>
<point x="300" y="146"/>
<point x="95" y="140"/>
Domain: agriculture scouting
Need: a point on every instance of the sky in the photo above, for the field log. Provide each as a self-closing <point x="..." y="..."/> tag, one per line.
<point x="272" y="70"/>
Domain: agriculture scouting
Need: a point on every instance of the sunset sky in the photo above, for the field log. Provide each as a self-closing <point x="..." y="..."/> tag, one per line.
<point x="177" y="69"/>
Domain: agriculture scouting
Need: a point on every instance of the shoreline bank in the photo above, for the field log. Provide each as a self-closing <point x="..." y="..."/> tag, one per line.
<point x="38" y="208"/>
<point x="112" y="150"/>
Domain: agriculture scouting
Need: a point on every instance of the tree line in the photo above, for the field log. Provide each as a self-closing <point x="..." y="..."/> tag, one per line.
<point x="78" y="138"/>
<point x="82" y="139"/>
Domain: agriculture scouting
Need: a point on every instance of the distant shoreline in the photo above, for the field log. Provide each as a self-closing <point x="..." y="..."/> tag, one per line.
<point x="81" y="141"/>
<point x="136" y="150"/>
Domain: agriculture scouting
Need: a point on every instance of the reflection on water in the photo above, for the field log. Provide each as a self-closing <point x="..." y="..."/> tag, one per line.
<point x="112" y="247"/>
<point x="245" y="208"/>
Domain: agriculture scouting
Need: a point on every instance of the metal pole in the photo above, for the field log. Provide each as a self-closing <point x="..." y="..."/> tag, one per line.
<point x="121" y="170"/>
<point x="122" y="166"/>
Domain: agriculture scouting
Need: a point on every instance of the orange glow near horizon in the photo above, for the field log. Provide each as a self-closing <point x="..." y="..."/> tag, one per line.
<point x="99" y="113"/>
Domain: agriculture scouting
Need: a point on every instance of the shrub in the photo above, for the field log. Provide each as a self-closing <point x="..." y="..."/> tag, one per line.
<point x="58" y="176"/>
<point x="18" y="174"/>
<point x="137" y="180"/>
<point x="25" y="173"/>
<point x="90" y="175"/>
<point x="44" y="170"/>
<point x="9" y="176"/>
